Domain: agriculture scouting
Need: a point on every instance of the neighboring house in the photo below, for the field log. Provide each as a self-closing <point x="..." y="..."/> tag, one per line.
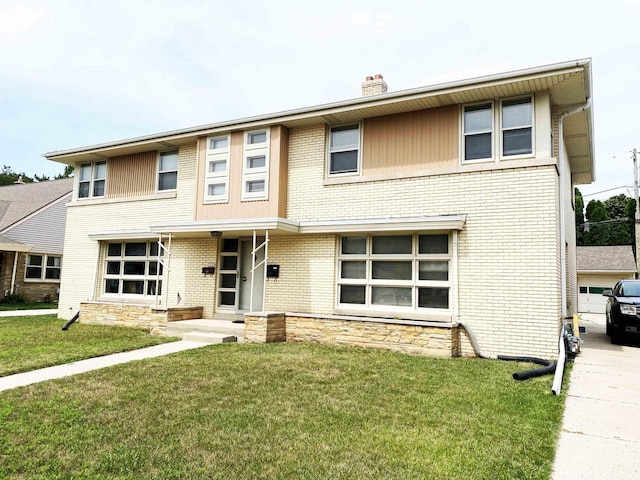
<point x="32" y="223"/>
<point x="385" y="220"/>
<point x="599" y="269"/>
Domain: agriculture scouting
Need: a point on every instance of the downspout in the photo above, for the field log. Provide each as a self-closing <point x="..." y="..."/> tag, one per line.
<point x="559" y="373"/>
<point x="563" y="233"/>
<point x="13" y="274"/>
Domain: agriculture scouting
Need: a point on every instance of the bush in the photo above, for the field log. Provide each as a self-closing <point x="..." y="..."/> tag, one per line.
<point x="13" y="299"/>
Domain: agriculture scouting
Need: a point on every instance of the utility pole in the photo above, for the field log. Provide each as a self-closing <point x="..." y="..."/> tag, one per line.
<point x="635" y="192"/>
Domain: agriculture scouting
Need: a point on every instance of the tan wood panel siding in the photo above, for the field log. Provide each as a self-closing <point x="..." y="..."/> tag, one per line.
<point x="411" y="141"/>
<point x="131" y="175"/>
<point x="235" y="207"/>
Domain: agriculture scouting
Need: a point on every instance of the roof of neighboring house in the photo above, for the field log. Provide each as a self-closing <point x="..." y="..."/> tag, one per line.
<point x="569" y="85"/>
<point x="18" y="201"/>
<point x="617" y="258"/>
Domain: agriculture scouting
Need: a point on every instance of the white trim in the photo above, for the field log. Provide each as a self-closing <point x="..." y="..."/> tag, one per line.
<point x="218" y="155"/>
<point x="258" y="174"/>
<point x="443" y="222"/>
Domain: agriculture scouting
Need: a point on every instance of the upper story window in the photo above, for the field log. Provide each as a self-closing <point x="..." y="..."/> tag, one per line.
<point x="515" y="118"/>
<point x="43" y="267"/>
<point x="92" y="178"/>
<point x="517" y="127"/>
<point x="255" y="168"/>
<point x="168" y="170"/>
<point x="217" y="175"/>
<point x="478" y="131"/>
<point x="344" y="149"/>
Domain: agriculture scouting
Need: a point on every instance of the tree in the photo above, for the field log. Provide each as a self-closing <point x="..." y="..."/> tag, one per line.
<point x="579" y="217"/>
<point x="68" y="171"/>
<point x="607" y="223"/>
<point x="9" y="177"/>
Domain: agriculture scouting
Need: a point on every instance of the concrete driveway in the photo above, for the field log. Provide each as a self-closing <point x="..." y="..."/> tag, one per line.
<point x="600" y="436"/>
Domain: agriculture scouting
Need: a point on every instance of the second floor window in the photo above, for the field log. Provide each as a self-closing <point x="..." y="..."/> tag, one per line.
<point x="514" y="136"/>
<point x="217" y="175"/>
<point x="168" y="170"/>
<point x="92" y="178"/>
<point x="344" y="149"/>
<point x="255" y="169"/>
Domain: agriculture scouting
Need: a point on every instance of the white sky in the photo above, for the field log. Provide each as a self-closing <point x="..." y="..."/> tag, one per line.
<point x="82" y="72"/>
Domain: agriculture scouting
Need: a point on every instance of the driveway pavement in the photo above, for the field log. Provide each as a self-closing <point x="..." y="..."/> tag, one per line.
<point x="600" y="436"/>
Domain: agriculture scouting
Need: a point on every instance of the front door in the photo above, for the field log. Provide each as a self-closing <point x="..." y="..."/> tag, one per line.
<point x="246" y="246"/>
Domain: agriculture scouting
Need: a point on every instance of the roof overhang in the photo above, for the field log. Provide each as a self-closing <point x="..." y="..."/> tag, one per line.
<point x="14" y="247"/>
<point x="606" y="272"/>
<point x="282" y="226"/>
<point x="569" y="85"/>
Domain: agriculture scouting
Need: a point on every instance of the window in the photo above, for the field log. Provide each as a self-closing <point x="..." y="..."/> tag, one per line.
<point x="168" y="170"/>
<point x="92" y="179"/>
<point x="43" y="267"/>
<point x="517" y="126"/>
<point x="133" y="268"/>
<point x="478" y="132"/>
<point x="255" y="168"/>
<point x="217" y="175"/>
<point x="394" y="272"/>
<point x="344" y="149"/>
<point x="516" y="129"/>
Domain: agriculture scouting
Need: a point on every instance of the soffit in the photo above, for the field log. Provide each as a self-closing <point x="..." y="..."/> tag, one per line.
<point x="567" y="83"/>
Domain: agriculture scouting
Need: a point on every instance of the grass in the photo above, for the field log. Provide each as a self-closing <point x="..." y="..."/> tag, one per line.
<point x="31" y="342"/>
<point x="28" y="306"/>
<point x="276" y="411"/>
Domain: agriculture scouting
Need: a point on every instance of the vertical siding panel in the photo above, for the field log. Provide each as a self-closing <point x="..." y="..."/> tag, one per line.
<point x="132" y="175"/>
<point x="405" y="142"/>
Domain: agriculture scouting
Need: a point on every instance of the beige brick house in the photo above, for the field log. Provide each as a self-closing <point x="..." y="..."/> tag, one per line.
<point x="383" y="220"/>
<point x="32" y="224"/>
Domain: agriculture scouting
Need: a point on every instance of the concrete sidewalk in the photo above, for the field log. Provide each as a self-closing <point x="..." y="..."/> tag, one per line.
<point x="600" y="436"/>
<point x="81" y="366"/>
<point x="25" y="313"/>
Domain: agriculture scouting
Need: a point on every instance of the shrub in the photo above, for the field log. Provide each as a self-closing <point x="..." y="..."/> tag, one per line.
<point x="13" y="299"/>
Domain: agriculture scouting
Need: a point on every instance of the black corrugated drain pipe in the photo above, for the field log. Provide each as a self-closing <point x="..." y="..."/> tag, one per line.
<point x="548" y="368"/>
<point x="67" y="324"/>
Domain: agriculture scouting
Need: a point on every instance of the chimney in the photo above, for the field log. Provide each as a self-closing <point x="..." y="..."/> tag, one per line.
<point x="374" y="86"/>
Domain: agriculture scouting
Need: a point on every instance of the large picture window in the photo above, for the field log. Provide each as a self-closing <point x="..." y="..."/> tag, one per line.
<point x="133" y="268"/>
<point x="395" y="272"/>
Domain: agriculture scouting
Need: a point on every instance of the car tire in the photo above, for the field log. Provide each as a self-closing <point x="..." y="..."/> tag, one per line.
<point x="616" y="338"/>
<point x="607" y="328"/>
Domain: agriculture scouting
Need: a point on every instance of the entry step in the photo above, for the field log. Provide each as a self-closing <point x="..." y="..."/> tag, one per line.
<point x="209" y="337"/>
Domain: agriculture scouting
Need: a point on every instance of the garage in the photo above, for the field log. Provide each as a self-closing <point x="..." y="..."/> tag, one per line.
<point x="599" y="269"/>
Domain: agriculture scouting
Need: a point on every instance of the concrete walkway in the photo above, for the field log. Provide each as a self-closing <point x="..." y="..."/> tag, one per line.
<point x="600" y="436"/>
<point x="81" y="366"/>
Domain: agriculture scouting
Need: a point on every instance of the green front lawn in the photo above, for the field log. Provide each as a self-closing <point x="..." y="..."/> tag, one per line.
<point x="275" y="411"/>
<point x="31" y="342"/>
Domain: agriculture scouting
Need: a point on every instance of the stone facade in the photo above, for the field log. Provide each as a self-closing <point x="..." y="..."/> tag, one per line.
<point x="135" y="316"/>
<point x="435" y="340"/>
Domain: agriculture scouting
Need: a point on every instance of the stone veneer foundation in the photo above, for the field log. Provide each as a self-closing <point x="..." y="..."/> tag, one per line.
<point x="135" y="316"/>
<point x="418" y="338"/>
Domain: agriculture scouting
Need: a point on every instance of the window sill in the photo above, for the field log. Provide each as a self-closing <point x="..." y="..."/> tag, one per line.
<point x="401" y="318"/>
<point x="103" y="201"/>
<point x="39" y="280"/>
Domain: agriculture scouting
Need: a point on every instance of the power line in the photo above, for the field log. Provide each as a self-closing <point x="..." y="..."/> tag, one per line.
<point x="604" y="191"/>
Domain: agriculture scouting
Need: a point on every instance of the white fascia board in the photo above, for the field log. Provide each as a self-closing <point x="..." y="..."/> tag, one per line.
<point x="444" y="222"/>
<point x="123" y="235"/>
<point x="606" y="272"/>
<point x="250" y="224"/>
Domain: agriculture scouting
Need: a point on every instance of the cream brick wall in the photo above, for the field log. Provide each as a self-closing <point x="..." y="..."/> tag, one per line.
<point x="307" y="274"/>
<point x="83" y="218"/>
<point x="508" y="250"/>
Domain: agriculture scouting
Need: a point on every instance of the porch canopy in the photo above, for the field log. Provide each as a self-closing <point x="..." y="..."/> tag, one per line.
<point x="283" y="226"/>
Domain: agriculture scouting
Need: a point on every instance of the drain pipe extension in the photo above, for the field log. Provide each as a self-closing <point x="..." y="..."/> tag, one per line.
<point x="557" y="379"/>
<point x="549" y="366"/>
<point x="67" y="324"/>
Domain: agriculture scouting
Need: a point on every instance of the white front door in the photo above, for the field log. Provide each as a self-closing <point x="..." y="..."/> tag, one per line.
<point x="246" y="246"/>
